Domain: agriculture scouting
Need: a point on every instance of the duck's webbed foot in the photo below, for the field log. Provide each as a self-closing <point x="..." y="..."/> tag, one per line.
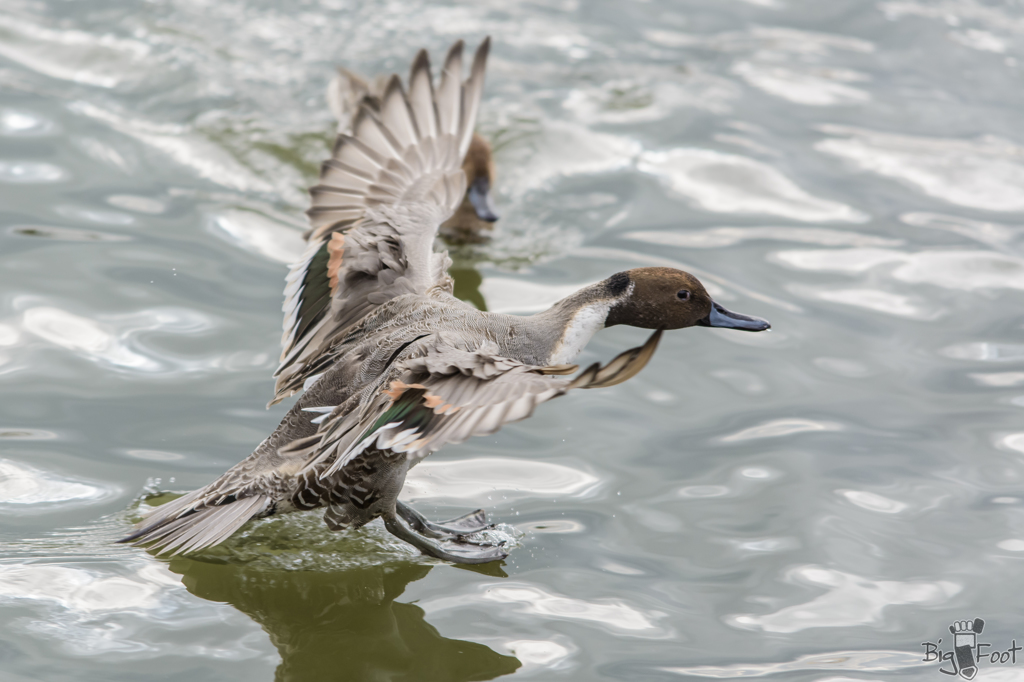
<point x="453" y="547"/>
<point x="473" y="522"/>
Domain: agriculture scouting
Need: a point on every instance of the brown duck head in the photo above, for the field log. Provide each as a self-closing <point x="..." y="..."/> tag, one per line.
<point x="666" y="298"/>
<point x="479" y="168"/>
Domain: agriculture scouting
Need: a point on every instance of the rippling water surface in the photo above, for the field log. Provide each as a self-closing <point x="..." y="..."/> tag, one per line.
<point x="808" y="504"/>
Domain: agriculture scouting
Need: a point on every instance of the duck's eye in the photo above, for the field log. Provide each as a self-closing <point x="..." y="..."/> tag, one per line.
<point x="683" y="295"/>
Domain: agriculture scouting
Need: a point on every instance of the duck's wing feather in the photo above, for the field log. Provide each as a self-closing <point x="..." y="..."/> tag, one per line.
<point x="445" y="395"/>
<point x="347" y="91"/>
<point x="382" y="195"/>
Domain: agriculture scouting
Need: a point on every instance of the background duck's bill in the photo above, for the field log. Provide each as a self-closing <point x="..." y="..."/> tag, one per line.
<point x="480" y="197"/>
<point x="723" y="317"/>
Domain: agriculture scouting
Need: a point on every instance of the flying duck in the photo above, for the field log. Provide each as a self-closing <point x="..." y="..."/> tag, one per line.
<point x="391" y="366"/>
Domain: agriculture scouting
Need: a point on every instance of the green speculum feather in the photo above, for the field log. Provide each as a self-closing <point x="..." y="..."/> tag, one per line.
<point x="408" y="410"/>
<point x="316" y="290"/>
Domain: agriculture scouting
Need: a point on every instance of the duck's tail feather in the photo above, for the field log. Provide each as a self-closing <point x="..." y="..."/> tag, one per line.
<point x="171" y="532"/>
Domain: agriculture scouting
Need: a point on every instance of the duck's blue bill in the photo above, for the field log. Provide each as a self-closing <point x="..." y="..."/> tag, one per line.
<point x="727" y="319"/>
<point x="480" y="197"/>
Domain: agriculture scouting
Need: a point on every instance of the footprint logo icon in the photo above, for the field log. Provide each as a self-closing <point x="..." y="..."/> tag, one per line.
<point x="965" y="638"/>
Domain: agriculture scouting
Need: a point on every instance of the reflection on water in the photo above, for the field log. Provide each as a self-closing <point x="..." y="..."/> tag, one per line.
<point x="838" y="661"/>
<point x="726" y="183"/>
<point x="807" y="504"/>
<point x="848" y="600"/>
<point x="985" y="173"/>
<point x="344" y="625"/>
<point x="26" y="489"/>
<point x="467" y="284"/>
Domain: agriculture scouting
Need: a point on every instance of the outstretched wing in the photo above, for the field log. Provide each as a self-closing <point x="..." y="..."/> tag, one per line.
<point x="382" y="195"/>
<point x="445" y="395"/>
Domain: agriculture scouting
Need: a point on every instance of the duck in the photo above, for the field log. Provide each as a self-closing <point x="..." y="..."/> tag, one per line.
<point x="473" y="221"/>
<point x="389" y="365"/>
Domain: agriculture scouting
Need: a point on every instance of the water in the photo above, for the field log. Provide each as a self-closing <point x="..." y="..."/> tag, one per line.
<point x="811" y="503"/>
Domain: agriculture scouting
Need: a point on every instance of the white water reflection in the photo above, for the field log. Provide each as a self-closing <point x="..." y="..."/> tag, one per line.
<point x="980" y="40"/>
<point x="620" y="569"/>
<point x="30" y="172"/>
<point x="94" y="215"/>
<point x="999" y="379"/>
<point x="820" y="87"/>
<point x="985" y="173"/>
<point x="1013" y="441"/>
<point x="845" y="261"/>
<point x="985" y="351"/>
<point x="83" y="591"/>
<point x="543" y="654"/>
<point x="155" y="455"/>
<point x="875" y="300"/>
<point x="652" y="97"/>
<point x="955" y="12"/>
<point x="768" y="41"/>
<point x="759" y="473"/>
<point x="138" y="204"/>
<point x="777" y="428"/>
<point x="258" y="233"/>
<point x="849" y="601"/>
<point x="986" y="232"/>
<point x="790" y="64"/>
<point x="487" y="479"/>
<point x="84" y="336"/>
<point x="28" y="489"/>
<point x="764" y="545"/>
<point x="727" y="183"/>
<point x="20" y="123"/>
<point x="198" y="152"/>
<point x="848" y="661"/>
<point x="719" y="237"/>
<point x="112" y="343"/>
<point x="103" y="61"/>
<point x="508" y="295"/>
<point x="561" y="150"/>
<point x="132" y="613"/>
<point x="107" y="154"/>
<point x="873" y="501"/>
<point x="963" y="270"/>
<point x="960" y="269"/>
<point x="703" y="491"/>
<point x="612" y="615"/>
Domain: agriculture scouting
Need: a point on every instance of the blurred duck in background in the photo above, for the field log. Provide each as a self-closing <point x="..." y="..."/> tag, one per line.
<point x="476" y="215"/>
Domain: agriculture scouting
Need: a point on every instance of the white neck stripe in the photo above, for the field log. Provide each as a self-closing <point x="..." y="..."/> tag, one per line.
<point x="587" y="321"/>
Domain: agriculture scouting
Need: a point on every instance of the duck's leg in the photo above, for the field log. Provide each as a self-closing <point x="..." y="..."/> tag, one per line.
<point x="473" y="522"/>
<point x="458" y="554"/>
